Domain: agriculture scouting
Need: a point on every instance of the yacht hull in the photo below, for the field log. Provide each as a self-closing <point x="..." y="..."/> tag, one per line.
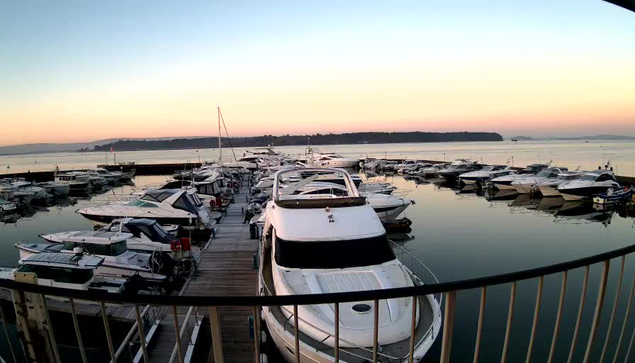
<point x="110" y="271"/>
<point x="582" y="193"/>
<point x="548" y="191"/>
<point x="524" y="188"/>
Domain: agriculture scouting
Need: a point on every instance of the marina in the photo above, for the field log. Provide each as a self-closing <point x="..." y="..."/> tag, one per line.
<point x="227" y="260"/>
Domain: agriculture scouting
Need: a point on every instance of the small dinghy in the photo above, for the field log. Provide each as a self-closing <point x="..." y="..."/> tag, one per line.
<point x="614" y="196"/>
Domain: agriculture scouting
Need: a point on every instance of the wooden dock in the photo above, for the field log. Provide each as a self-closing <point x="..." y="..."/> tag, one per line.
<point x="226" y="268"/>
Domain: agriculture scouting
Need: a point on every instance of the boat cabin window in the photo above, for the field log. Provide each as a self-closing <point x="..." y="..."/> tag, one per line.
<point x="604" y="177"/>
<point x="333" y="254"/>
<point x="141" y="204"/>
<point x="113" y="249"/>
<point x="58" y="274"/>
<point x="589" y="177"/>
<point x="158" y="195"/>
<point x="333" y="191"/>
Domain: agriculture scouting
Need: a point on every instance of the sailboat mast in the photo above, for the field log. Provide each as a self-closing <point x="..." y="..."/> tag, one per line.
<point x="220" y="148"/>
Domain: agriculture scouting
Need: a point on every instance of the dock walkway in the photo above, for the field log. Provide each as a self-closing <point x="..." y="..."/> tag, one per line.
<point x="226" y="268"/>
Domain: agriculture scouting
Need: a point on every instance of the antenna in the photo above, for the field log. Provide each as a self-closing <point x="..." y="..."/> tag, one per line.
<point x="220" y="148"/>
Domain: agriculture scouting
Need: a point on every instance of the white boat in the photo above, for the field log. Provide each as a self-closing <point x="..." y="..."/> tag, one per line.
<point x="119" y="262"/>
<point x="549" y="188"/>
<point x="458" y="167"/>
<point x="589" y="185"/>
<point x="315" y="244"/>
<point x="25" y="190"/>
<point x="387" y="207"/>
<point x="529" y="184"/>
<point x="488" y="172"/>
<point x="315" y="157"/>
<point x="142" y="235"/>
<point x="166" y="206"/>
<point x="7" y="207"/>
<point x="431" y="171"/>
<point x="79" y="183"/>
<point x="68" y="271"/>
<point x="57" y="190"/>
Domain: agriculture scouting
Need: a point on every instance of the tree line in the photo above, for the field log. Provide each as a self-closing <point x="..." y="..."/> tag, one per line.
<point x="316" y="139"/>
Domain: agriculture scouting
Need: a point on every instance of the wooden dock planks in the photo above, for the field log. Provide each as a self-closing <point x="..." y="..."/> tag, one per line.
<point x="227" y="269"/>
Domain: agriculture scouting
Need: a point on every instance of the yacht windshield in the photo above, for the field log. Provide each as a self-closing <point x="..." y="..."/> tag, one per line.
<point x="333" y="254"/>
<point x="113" y="249"/>
<point x="589" y="177"/>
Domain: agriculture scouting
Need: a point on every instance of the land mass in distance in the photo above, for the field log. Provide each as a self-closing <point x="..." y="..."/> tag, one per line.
<point x="288" y="140"/>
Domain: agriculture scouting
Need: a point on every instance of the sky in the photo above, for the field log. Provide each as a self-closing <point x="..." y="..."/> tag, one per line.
<point x="80" y="70"/>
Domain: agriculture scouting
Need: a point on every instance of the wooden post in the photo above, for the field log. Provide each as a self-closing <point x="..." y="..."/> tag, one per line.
<point x="30" y="316"/>
<point x="217" y="339"/>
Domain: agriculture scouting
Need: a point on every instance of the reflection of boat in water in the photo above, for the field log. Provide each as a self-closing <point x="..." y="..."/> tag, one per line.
<point x="525" y="201"/>
<point x="550" y="205"/>
<point x="572" y="212"/>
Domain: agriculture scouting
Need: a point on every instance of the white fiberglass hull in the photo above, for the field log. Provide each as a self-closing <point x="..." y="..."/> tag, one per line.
<point x="110" y="270"/>
<point x="285" y="341"/>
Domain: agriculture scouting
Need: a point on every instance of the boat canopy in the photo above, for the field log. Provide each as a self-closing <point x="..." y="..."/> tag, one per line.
<point x="159" y="195"/>
<point x="150" y="228"/>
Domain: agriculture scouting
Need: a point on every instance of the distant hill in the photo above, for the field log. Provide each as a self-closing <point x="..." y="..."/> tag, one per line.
<point x="317" y="139"/>
<point x="49" y="147"/>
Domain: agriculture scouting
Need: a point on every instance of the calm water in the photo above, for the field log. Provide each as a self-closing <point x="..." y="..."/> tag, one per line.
<point x="457" y="235"/>
<point x="570" y="154"/>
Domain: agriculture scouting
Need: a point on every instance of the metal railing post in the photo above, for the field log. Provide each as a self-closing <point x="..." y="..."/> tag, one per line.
<point x="510" y="317"/>
<point x="337" y="332"/>
<point x="297" y="334"/>
<point x="598" y="310"/>
<point x="626" y="315"/>
<point x="177" y="333"/>
<point x="618" y="289"/>
<point x="448" y="326"/>
<point x="376" y="332"/>
<point x="80" y="342"/>
<point x="576" y="330"/>
<point x="535" y="322"/>
<point x="479" y="328"/>
<point x="413" y="328"/>
<point x="111" y="347"/>
<point x="142" y="334"/>
<point x="556" y="328"/>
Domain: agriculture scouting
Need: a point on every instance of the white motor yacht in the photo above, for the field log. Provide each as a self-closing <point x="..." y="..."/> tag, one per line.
<point x="57" y="190"/>
<point x="589" y="185"/>
<point x="488" y="172"/>
<point x="529" y="183"/>
<point x="119" y="262"/>
<point x="141" y="235"/>
<point x="315" y="157"/>
<point x="325" y="243"/>
<point x="166" y="206"/>
<point x="431" y="171"/>
<point x="68" y="271"/>
<point x="79" y="183"/>
<point x="549" y="188"/>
